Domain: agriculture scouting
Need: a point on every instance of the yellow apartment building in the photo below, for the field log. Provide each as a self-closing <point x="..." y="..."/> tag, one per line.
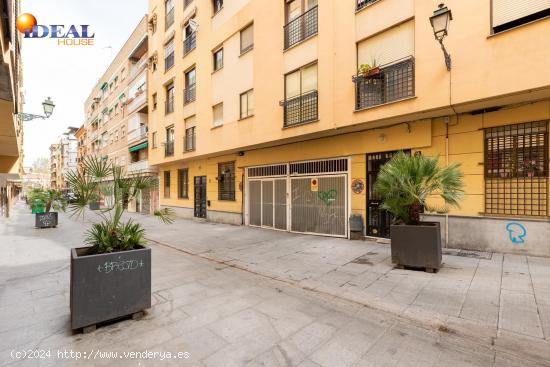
<point x="117" y="115"/>
<point x="259" y="116"/>
<point x="11" y="102"/>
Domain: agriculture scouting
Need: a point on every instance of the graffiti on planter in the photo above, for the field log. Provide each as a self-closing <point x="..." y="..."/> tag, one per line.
<point x="516" y="232"/>
<point x="123" y="265"/>
<point x="328" y="197"/>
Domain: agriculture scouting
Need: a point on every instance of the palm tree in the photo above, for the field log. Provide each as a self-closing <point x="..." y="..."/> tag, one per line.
<point x="98" y="177"/>
<point x="406" y="182"/>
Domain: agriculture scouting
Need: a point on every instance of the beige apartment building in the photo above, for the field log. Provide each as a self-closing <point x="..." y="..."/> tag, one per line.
<point x="11" y="102"/>
<point x="117" y="115"/>
<point x="259" y="116"/>
<point x="63" y="158"/>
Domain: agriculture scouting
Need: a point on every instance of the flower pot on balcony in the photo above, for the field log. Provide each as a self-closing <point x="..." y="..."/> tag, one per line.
<point x="416" y="246"/>
<point x="46" y="220"/>
<point x="108" y="286"/>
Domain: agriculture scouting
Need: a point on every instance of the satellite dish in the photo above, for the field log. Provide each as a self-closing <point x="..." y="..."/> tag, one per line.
<point x="193" y="24"/>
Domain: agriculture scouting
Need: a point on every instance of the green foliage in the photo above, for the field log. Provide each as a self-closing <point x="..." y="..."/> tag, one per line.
<point x="406" y="182"/>
<point x="99" y="178"/>
<point x="47" y="198"/>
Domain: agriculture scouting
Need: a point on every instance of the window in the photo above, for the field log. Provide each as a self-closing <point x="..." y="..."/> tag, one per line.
<point x="170" y="90"/>
<point x="300" y="104"/>
<point x="218" y="5"/>
<point x="226" y="181"/>
<point x="509" y="14"/>
<point x="167" y="184"/>
<point x="247" y="104"/>
<point x="123" y="74"/>
<point x="217" y="112"/>
<point x="169" y="145"/>
<point x="189" y="142"/>
<point x="301" y="21"/>
<point x="169" y="13"/>
<point x="247" y="38"/>
<point x="301" y="81"/>
<point x="186" y="3"/>
<point x="190" y="86"/>
<point x="516" y="169"/>
<point x="153" y="24"/>
<point x="183" y="180"/>
<point x="169" y="55"/>
<point x="154" y="139"/>
<point x="190" y="41"/>
<point x="154" y="101"/>
<point x="362" y="3"/>
<point x="218" y="59"/>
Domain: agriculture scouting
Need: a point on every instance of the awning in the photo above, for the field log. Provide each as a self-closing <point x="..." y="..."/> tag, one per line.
<point x="121" y="96"/>
<point x="103" y="86"/>
<point x="138" y="147"/>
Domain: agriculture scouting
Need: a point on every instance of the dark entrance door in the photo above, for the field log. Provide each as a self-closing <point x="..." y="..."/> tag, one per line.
<point x="200" y="196"/>
<point x="378" y="220"/>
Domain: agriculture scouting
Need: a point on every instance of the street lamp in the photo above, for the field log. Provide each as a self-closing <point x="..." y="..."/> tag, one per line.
<point x="48" y="107"/>
<point x="440" y="24"/>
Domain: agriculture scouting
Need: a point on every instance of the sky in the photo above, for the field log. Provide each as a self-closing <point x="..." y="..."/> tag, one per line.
<point x="67" y="73"/>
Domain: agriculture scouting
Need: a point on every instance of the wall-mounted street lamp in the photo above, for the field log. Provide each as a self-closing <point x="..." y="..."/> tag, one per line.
<point x="440" y="24"/>
<point x="48" y="107"/>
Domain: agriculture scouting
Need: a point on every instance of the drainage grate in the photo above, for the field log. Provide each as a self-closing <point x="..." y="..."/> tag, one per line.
<point x="482" y="255"/>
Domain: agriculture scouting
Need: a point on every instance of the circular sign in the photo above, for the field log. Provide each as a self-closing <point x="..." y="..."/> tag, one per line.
<point x="357" y="186"/>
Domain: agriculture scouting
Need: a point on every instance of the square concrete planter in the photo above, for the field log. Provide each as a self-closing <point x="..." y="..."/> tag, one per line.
<point x="45" y="220"/>
<point x="109" y="286"/>
<point x="93" y="206"/>
<point x="416" y="246"/>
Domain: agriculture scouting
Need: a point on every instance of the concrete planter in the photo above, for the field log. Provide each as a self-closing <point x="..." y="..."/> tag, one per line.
<point x="93" y="206"/>
<point x="416" y="246"/>
<point x="109" y="286"/>
<point x="45" y="220"/>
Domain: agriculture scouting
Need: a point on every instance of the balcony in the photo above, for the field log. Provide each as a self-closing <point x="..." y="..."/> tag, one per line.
<point x="189" y="94"/>
<point x="169" y="148"/>
<point x="137" y="134"/>
<point x="363" y="3"/>
<point x="140" y="167"/>
<point x="189" y="43"/>
<point x="301" y="109"/>
<point x="392" y="83"/>
<point x="169" y="61"/>
<point x="301" y="28"/>
<point x="169" y="105"/>
<point x="138" y="101"/>
<point x="138" y="67"/>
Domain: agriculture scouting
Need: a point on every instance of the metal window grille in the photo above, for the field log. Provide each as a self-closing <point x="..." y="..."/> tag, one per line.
<point x="516" y="169"/>
<point x="301" y="109"/>
<point x="167" y="184"/>
<point x="301" y="28"/>
<point x="189" y="94"/>
<point x="189" y="43"/>
<point x="362" y="3"/>
<point x="266" y="171"/>
<point x="218" y="4"/>
<point x="226" y="181"/>
<point x="189" y="139"/>
<point x="393" y="82"/>
<point x="325" y="166"/>
<point x="169" y="148"/>
<point x="183" y="183"/>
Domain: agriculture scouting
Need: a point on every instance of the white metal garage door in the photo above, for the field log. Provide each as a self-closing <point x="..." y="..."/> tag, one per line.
<point x="267" y="198"/>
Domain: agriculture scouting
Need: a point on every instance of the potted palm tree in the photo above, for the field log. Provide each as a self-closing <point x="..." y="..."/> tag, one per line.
<point x="42" y="202"/>
<point x="405" y="183"/>
<point x="111" y="277"/>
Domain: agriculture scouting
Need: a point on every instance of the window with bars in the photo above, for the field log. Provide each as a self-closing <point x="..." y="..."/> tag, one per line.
<point x="183" y="183"/>
<point x="226" y="181"/>
<point x="516" y="169"/>
<point x="167" y="184"/>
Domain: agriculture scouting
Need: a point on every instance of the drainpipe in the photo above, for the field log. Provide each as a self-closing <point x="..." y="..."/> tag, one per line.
<point x="447" y="120"/>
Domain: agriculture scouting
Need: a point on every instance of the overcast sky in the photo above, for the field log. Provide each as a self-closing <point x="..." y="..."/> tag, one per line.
<point x="67" y="73"/>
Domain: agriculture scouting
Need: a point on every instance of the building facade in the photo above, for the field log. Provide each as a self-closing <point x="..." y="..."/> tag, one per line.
<point x="11" y="101"/>
<point x="117" y="116"/>
<point x="258" y="115"/>
<point x="63" y="158"/>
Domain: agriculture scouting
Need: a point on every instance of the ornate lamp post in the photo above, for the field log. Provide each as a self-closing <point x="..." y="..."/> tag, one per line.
<point x="440" y="24"/>
<point x="48" y="107"/>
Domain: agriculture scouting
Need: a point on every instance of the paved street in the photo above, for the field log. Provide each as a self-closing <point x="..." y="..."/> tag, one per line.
<point x="237" y="296"/>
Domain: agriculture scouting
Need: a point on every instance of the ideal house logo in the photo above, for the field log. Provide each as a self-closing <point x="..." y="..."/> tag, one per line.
<point x="65" y="35"/>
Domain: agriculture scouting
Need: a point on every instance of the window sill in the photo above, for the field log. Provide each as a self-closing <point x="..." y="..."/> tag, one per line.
<point x="300" y="124"/>
<point x="216" y="13"/>
<point x="215" y="71"/>
<point x="216" y="126"/>
<point x="183" y="198"/>
<point x="246" y="118"/>
<point x="494" y="34"/>
<point x="246" y="51"/>
<point x="384" y="104"/>
<point x="167" y="70"/>
<point x="366" y="7"/>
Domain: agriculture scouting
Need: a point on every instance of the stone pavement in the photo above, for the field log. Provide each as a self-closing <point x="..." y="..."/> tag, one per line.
<point x="223" y="315"/>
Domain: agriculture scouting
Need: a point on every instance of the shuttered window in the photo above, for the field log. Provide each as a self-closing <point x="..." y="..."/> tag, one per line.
<point x="511" y="13"/>
<point x="389" y="46"/>
<point x="247" y="38"/>
<point x="217" y="112"/>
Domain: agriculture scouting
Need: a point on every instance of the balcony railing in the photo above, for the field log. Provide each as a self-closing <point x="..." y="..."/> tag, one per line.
<point x="169" y="148"/>
<point x="362" y="3"/>
<point x="169" y="18"/>
<point x="189" y="140"/>
<point x="137" y="134"/>
<point x="301" y="28"/>
<point x="169" y="61"/>
<point x="137" y="102"/>
<point x="301" y="109"/>
<point x="391" y="83"/>
<point x="169" y="106"/>
<point x="189" y="94"/>
<point x="189" y="43"/>
<point x="140" y="167"/>
<point x="138" y="66"/>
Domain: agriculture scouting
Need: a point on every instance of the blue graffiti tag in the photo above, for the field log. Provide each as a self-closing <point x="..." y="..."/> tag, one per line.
<point x="516" y="232"/>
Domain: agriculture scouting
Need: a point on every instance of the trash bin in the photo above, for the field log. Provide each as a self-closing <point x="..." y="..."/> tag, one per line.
<point x="37" y="206"/>
<point x="356" y="226"/>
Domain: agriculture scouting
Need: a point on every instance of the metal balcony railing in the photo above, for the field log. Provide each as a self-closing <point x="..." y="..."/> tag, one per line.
<point x="169" y="106"/>
<point x="189" y="94"/>
<point x="169" y="61"/>
<point x="137" y="134"/>
<point x="189" y="43"/>
<point x="301" y="109"/>
<point x="169" y="18"/>
<point x="169" y="148"/>
<point x="392" y="83"/>
<point x="301" y="27"/>
<point x="362" y="3"/>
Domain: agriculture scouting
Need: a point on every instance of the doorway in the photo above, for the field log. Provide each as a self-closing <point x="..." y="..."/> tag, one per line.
<point x="200" y="196"/>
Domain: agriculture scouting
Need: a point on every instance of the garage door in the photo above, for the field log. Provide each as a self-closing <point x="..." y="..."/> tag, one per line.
<point x="267" y="198"/>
